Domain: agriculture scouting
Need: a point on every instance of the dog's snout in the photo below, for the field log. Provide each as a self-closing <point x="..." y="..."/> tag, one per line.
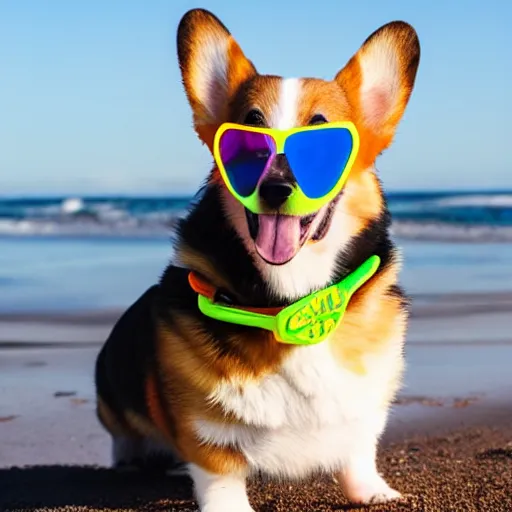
<point x="275" y="192"/>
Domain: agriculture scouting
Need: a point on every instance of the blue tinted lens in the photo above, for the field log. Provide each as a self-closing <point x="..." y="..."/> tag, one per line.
<point x="318" y="158"/>
<point x="245" y="156"/>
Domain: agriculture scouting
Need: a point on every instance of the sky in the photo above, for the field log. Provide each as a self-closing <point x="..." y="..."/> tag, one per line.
<point x="91" y="100"/>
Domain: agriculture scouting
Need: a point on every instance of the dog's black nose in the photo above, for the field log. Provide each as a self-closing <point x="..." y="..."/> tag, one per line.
<point x="274" y="193"/>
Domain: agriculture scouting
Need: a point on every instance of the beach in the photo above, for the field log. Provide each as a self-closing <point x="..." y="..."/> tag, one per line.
<point x="448" y="445"/>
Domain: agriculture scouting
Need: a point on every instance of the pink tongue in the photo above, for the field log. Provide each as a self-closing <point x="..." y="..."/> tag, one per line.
<point x="278" y="238"/>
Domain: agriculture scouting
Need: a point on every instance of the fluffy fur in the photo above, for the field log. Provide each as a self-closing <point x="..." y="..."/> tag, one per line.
<point x="225" y="401"/>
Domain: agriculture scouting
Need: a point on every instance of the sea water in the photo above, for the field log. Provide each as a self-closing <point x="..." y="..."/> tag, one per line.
<point x="59" y="254"/>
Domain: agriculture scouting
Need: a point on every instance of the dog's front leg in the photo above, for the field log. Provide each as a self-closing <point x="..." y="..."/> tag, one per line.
<point x="219" y="493"/>
<point x="359" y="478"/>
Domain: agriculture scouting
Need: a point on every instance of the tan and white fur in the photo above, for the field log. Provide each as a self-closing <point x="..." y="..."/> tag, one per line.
<point x="287" y="412"/>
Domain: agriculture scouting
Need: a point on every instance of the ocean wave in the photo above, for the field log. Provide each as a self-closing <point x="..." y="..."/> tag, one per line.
<point x="405" y="230"/>
<point x="130" y="228"/>
<point x="89" y="217"/>
<point x="482" y="217"/>
<point x="446" y="232"/>
<point x="480" y="200"/>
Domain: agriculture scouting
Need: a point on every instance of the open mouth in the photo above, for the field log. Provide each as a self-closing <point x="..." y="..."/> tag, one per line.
<point x="278" y="238"/>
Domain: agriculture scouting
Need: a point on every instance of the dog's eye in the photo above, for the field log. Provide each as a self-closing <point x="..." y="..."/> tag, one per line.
<point x="318" y="119"/>
<point x="254" y="118"/>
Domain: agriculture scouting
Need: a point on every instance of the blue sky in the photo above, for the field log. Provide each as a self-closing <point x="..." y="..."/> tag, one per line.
<point x="91" y="99"/>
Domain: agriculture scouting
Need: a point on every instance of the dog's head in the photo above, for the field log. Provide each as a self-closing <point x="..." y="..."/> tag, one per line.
<point x="297" y="254"/>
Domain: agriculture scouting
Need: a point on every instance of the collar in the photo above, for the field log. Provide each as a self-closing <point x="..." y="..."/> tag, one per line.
<point x="305" y="322"/>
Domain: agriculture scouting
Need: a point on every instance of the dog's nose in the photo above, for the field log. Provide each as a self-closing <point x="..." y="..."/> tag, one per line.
<point x="275" y="193"/>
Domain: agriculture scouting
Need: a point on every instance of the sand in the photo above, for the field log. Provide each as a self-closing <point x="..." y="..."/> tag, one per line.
<point x="470" y="470"/>
<point x="448" y="445"/>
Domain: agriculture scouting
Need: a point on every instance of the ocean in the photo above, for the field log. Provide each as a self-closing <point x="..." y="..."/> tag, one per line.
<point x="72" y="253"/>
<point x="462" y="216"/>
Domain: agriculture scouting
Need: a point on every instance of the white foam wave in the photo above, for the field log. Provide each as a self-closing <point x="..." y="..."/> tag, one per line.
<point x="493" y="201"/>
<point x="128" y="226"/>
<point x="445" y="232"/>
<point x="72" y="205"/>
<point x="162" y="226"/>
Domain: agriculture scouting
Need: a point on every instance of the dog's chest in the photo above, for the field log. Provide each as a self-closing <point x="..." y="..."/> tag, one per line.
<point x="311" y="389"/>
<point x="298" y="419"/>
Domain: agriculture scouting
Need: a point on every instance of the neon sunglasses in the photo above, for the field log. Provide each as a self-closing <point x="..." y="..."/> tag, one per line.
<point x="320" y="158"/>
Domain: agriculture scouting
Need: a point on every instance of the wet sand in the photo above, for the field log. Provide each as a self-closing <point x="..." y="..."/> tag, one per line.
<point x="448" y="443"/>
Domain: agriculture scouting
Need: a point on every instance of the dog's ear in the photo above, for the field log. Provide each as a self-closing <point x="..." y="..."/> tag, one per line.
<point x="378" y="82"/>
<point x="213" y="67"/>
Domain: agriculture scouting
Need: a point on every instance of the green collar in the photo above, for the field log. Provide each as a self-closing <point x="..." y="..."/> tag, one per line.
<point x="305" y="322"/>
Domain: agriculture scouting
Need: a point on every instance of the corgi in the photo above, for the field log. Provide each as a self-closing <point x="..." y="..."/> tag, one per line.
<point x="223" y="401"/>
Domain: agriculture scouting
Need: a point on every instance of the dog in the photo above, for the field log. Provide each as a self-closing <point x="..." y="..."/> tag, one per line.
<point x="222" y="401"/>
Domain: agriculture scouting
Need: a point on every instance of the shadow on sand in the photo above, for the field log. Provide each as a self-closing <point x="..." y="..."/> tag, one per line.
<point x="76" y="488"/>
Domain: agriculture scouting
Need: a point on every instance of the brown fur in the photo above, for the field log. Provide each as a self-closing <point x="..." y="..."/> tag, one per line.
<point x="184" y="362"/>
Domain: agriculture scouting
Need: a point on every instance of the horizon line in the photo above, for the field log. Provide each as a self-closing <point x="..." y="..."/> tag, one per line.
<point x="160" y="195"/>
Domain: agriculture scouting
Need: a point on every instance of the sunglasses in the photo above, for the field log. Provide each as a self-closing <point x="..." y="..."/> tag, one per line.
<point x="320" y="158"/>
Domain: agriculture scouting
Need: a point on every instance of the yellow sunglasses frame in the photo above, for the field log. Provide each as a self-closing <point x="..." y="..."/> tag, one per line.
<point x="298" y="203"/>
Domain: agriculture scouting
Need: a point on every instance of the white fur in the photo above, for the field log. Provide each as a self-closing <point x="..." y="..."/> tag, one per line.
<point x="380" y="81"/>
<point x="250" y="401"/>
<point x="211" y="85"/>
<point x="219" y="493"/>
<point x="312" y="415"/>
<point x="310" y="389"/>
<point x="284" y="115"/>
<point x="362" y="483"/>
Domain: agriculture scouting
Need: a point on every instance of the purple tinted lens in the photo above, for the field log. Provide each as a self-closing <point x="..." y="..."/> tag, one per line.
<point x="245" y="156"/>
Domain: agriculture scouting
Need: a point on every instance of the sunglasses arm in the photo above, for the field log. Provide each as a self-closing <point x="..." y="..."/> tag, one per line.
<point x="235" y="316"/>
<point x="355" y="280"/>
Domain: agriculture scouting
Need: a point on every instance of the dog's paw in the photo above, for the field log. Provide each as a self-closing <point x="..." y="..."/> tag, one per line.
<point x="227" y="503"/>
<point x="372" y="493"/>
<point x="384" y="496"/>
<point x="228" y="507"/>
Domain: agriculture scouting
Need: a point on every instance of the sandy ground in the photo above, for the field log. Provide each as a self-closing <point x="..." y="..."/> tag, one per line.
<point x="468" y="471"/>
<point x="458" y="381"/>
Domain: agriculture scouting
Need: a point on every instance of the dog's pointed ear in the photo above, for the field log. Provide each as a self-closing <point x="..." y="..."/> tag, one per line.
<point x="378" y="82"/>
<point x="213" y="67"/>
